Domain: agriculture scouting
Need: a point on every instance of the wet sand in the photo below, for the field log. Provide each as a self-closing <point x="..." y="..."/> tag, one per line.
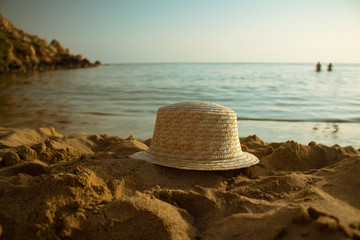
<point x="84" y="186"/>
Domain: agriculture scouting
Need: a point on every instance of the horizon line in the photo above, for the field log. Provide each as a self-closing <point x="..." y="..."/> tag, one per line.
<point x="209" y="62"/>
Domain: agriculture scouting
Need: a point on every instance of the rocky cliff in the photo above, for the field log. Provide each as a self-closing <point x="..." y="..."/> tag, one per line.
<point x="22" y="52"/>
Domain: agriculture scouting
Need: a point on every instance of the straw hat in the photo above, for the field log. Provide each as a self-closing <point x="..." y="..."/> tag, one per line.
<point x="196" y="136"/>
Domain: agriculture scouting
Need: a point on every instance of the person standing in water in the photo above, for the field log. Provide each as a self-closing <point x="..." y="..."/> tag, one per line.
<point x="318" y="67"/>
<point x="330" y="67"/>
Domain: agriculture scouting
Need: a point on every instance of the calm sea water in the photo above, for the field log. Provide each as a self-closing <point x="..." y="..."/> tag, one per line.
<point x="277" y="102"/>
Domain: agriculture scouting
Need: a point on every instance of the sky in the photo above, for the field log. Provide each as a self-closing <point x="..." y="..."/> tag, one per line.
<point x="148" y="31"/>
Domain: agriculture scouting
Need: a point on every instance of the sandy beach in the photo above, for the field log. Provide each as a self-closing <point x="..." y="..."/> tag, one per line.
<point x="206" y="72"/>
<point x="84" y="186"/>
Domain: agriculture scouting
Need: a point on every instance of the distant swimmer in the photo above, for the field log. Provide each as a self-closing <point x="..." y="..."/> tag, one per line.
<point x="330" y="67"/>
<point x="318" y="67"/>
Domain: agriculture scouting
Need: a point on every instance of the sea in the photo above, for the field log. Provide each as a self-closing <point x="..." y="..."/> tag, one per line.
<point x="276" y="101"/>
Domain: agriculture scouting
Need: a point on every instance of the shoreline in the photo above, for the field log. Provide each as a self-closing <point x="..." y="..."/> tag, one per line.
<point x="85" y="186"/>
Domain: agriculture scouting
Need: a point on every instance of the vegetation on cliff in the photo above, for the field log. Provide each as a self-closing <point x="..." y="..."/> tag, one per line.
<point x="22" y="52"/>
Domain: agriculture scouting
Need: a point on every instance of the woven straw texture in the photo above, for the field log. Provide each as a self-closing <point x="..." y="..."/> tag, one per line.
<point x="197" y="136"/>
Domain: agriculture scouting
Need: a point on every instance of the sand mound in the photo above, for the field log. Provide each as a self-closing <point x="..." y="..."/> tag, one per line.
<point x="10" y="137"/>
<point x="85" y="186"/>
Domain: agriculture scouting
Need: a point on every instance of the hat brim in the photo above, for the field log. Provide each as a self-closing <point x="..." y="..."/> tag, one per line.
<point x="244" y="160"/>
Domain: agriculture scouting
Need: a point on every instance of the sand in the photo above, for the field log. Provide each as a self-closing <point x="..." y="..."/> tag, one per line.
<point x="84" y="186"/>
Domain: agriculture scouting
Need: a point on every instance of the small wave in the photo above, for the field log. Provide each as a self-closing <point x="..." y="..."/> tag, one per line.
<point x="299" y="120"/>
<point x="101" y="114"/>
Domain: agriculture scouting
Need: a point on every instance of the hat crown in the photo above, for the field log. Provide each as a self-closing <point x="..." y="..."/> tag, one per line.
<point x="196" y="131"/>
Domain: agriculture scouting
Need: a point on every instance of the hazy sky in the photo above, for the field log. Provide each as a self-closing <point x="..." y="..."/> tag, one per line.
<point x="127" y="31"/>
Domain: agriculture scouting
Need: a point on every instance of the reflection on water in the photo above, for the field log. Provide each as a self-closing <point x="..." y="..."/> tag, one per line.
<point x="24" y="101"/>
<point x="277" y="102"/>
